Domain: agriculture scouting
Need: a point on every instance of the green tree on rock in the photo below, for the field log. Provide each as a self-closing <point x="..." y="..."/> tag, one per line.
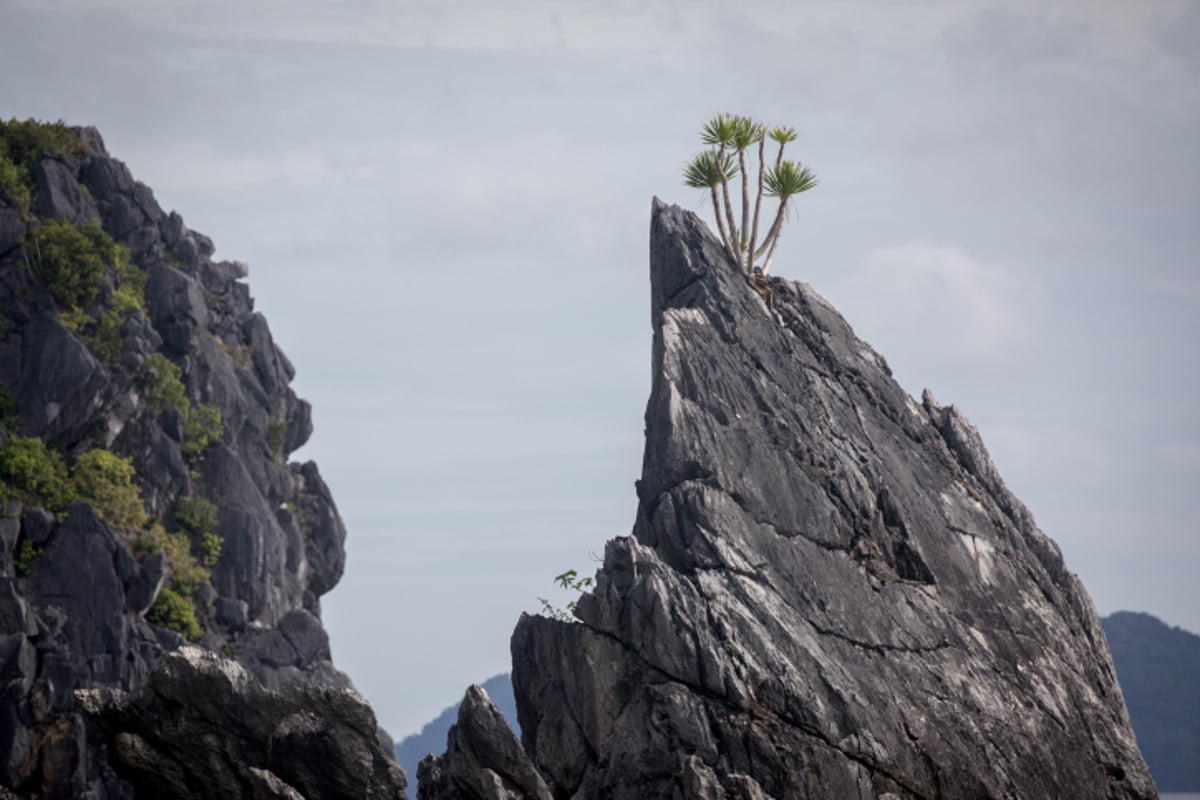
<point x="729" y="137"/>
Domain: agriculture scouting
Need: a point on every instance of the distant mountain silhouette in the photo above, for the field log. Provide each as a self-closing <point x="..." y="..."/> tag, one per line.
<point x="1158" y="668"/>
<point x="432" y="737"/>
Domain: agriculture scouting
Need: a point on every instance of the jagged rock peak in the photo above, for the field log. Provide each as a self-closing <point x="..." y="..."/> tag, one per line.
<point x="238" y="739"/>
<point x="483" y="759"/>
<point x="828" y="590"/>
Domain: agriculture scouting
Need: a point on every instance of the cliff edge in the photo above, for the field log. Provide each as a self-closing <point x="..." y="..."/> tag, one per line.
<point x="146" y="421"/>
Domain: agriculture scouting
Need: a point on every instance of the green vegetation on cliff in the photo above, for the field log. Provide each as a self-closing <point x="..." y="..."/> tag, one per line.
<point x="22" y="143"/>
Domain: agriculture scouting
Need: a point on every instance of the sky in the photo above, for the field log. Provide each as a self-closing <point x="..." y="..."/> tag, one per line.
<point x="445" y="211"/>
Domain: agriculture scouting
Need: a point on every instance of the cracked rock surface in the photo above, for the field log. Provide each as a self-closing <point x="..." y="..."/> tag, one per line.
<point x="828" y="591"/>
<point x="238" y="739"/>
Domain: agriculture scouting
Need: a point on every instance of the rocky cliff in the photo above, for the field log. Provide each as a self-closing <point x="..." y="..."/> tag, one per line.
<point x="828" y="591"/>
<point x="148" y="500"/>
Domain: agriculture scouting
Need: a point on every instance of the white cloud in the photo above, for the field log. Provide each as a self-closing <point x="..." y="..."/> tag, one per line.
<point x="959" y="309"/>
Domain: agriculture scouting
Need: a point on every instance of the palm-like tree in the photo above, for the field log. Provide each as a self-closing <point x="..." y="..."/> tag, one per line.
<point x="786" y="180"/>
<point x="726" y="134"/>
<point x="709" y="170"/>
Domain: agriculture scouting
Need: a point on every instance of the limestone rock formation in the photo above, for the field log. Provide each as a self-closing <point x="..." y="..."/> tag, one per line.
<point x="483" y="760"/>
<point x="828" y="591"/>
<point x="301" y="742"/>
<point x="83" y="599"/>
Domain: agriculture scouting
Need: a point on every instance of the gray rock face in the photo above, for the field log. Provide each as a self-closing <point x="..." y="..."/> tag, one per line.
<point x="828" y="591"/>
<point x="74" y="594"/>
<point x="301" y="742"/>
<point x="483" y="760"/>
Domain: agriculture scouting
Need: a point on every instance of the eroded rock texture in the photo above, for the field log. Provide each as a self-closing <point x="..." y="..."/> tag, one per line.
<point x="202" y="728"/>
<point x="75" y="591"/>
<point x="483" y="759"/>
<point x="828" y="591"/>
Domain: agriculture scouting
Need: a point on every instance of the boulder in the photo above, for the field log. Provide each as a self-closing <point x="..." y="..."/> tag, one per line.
<point x="202" y="728"/>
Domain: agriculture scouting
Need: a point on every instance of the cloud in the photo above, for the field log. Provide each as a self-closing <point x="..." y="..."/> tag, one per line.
<point x="960" y="309"/>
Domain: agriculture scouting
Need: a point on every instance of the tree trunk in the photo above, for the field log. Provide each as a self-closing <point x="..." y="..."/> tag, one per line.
<point x="757" y="207"/>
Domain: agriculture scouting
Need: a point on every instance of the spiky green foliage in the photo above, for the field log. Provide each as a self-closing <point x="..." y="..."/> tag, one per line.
<point x="729" y="136"/>
<point x="105" y="480"/>
<point x="788" y="179"/>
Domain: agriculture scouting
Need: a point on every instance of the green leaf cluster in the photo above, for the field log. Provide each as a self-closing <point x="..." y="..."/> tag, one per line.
<point x="26" y="555"/>
<point x="73" y="261"/>
<point x="32" y="473"/>
<point x="198" y="518"/>
<point x="728" y="137"/>
<point x="35" y="474"/>
<point x="22" y="143"/>
<point x="105" y="480"/>
<point x="201" y="428"/>
<point x="176" y="612"/>
<point x="166" y="384"/>
<point x="570" y="581"/>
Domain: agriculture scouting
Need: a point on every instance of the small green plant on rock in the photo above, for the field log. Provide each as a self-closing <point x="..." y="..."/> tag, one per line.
<point x="105" y="480"/>
<point x="31" y="472"/>
<point x="729" y="137"/>
<point x="201" y="428"/>
<point x="166" y="387"/>
<point x="570" y="581"/>
<point x="175" y="612"/>
<point x="26" y="555"/>
<point x="198" y="517"/>
<point x="22" y="143"/>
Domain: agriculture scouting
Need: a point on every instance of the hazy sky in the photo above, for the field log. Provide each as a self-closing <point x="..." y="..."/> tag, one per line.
<point x="445" y="210"/>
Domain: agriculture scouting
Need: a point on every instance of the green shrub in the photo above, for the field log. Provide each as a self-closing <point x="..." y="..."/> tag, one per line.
<point x="21" y="145"/>
<point x="31" y="472"/>
<point x="186" y="572"/>
<point x="73" y="260"/>
<point x="198" y="518"/>
<point x="201" y="428"/>
<point x="176" y="612"/>
<point x="277" y="436"/>
<point x="106" y="481"/>
<point x="26" y="555"/>
<point x="166" y="388"/>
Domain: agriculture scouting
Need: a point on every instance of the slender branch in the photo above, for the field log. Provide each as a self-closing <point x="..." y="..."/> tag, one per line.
<point x="762" y="142"/>
<point x="742" y="243"/>
<point x="775" y="239"/>
<point x="733" y="231"/>
<point x="721" y="223"/>
<point x="774" y="230"/>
